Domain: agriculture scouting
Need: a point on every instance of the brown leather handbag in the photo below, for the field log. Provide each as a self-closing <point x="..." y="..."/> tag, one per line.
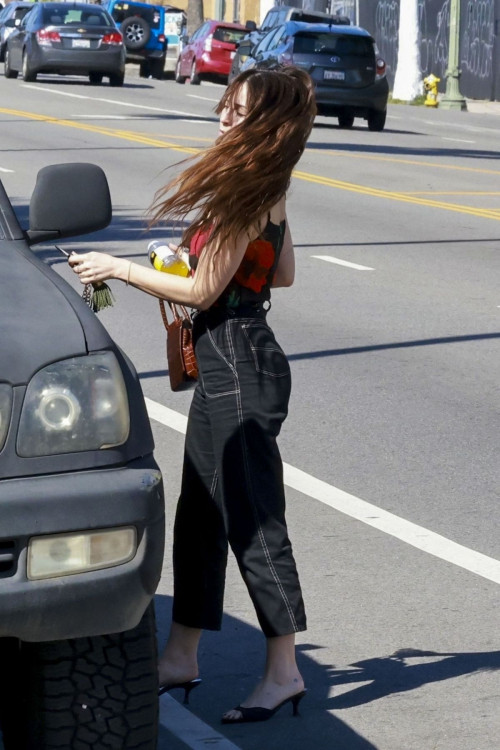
<point x="182" y="364"/>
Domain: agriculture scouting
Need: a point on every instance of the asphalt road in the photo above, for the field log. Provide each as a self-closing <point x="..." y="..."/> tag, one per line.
<point x="395" y="402"/>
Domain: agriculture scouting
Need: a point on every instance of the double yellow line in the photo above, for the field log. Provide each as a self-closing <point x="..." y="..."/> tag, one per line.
<point x="483" y="213"/>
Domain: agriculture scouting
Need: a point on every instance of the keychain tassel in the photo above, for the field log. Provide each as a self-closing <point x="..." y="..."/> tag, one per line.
<point x="98" y="296"/>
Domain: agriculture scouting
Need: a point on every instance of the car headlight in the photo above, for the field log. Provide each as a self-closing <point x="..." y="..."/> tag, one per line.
<point x="5" y="409"/>
<point x="78" y="404"/>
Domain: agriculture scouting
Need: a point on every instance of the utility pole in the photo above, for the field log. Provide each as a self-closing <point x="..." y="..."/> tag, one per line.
<point x="453" y="99"/>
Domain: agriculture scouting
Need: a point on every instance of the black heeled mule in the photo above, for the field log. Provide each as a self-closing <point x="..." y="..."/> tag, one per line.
<point x="188" y="687"/>
<point x="264" y="714"/>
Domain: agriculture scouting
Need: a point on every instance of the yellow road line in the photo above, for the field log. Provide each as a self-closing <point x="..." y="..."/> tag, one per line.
<point x="404" y="161"/>
<point x="450" y="192"/>
<point x="375" y="192"/>
<point x="348" y="186"/>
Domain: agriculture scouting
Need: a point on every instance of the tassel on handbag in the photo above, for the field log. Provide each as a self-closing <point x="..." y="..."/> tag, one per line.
<point x="98" y="296"/>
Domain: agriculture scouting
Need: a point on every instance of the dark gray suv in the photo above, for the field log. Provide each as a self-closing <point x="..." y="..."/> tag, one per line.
<point x="343" y="62"/>
<point x="81" y="497"/>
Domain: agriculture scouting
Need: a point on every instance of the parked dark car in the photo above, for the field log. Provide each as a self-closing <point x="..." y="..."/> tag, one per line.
<point x="277" y="17"/>
<point x="14" y="10"/>
<point x="66" y="38"/>
<point x="143" y="29"/>
<point x="81" y="497"/>
<point x="210" y="50"/>
<point x="343" y="62"/>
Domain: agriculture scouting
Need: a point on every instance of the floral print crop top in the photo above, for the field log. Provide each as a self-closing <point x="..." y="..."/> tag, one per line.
<point x="253" y="280"/>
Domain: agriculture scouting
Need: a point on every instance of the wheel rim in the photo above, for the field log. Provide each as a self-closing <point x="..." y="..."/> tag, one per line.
<point x="178" y="69"/>
<point x="193" y="70"/>
<point x="25" y="64"/>
<point x="134" y="32"/>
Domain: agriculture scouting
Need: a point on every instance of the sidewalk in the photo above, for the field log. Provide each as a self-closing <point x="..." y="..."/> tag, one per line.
<point x="479" y="107"/>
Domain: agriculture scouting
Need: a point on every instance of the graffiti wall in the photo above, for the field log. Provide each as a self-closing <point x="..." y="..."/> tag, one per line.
<point x="479" y="40"/>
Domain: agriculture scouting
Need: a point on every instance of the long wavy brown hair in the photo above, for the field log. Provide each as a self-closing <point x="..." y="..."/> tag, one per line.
<point x="248" y="169"/>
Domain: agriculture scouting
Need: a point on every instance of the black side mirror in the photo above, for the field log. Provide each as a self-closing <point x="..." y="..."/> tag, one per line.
<point x="185" y="39"/>
<point x="251" y="26"/>
<point x="69" y="200"/>
<point x="10" y="23"/>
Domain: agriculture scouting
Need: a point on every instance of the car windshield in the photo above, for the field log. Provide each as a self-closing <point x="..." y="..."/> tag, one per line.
<point x="231" y="36"/>
<point x="66" y="15"/>
<point x="311" y="42"/>
<point x="19" y="13"/>
<point x="151" y="15"/>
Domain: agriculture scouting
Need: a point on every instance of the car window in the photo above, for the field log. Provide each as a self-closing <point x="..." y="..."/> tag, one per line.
<point x="277" y="38"/>
<point x="66" y="15"/>
<point x="151" y="15"/>
<point x="269" y="20"/>
<point x="231" y="36"/>
<point x="29" y="16"/>
<point x="199" y="32"/>
<point x="282" y="17"/>
<point x="311" y="42"/>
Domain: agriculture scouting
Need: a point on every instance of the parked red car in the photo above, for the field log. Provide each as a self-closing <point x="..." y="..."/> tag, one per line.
<point x="211" y="49"/>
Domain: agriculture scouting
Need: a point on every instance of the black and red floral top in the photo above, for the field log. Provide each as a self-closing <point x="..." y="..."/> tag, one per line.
<point x="253" y="280"/>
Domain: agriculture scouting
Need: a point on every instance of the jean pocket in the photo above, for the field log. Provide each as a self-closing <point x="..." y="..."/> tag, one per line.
<point x="268" y="356"/>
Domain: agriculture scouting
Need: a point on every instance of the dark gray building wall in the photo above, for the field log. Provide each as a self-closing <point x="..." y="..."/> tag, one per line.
<point x="479" y="40"/>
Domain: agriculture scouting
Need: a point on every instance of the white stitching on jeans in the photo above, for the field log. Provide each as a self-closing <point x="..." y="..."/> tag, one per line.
<point x="265" y="349"/>
<point x="262" y="538"/>
<point x="214" y="484"/>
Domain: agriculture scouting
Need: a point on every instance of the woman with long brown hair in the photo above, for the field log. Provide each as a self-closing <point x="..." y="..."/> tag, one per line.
<point x="232" y="487"/>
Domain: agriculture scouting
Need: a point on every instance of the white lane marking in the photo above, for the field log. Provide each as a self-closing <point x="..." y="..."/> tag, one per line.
<point x="457" y="140"/>
<point x="2" y="169"/>
<point x="393" y="117"/>
<point x="54" y="91"/>
<point x="189" y="728"/>
<point x="205" y="98"/>
<point x="406" y="531"/>
<point x="476" y="129"/>
<point x="111" y="101"/>
<point x="100" y="117"/>
<point x="339" y="262"/>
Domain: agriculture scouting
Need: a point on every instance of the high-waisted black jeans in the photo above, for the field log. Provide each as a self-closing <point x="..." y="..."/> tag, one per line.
<point x="232" y="485"/>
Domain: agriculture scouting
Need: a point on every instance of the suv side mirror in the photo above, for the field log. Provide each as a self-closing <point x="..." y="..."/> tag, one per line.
<point x="10" y="23"/>
<point x="69" y="200"/>
<point x="245" y="47"/>
<point x="185" y="39"/>
<point x="251" y="26"/>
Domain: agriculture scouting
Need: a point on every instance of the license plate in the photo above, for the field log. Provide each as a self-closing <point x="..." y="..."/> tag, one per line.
<point x="334" y="75"/>
<point x="233" y="55"/>
<point x="81" y="43"/>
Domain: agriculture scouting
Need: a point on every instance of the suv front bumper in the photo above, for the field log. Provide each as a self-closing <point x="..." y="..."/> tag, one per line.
<point x="85" y="604"/>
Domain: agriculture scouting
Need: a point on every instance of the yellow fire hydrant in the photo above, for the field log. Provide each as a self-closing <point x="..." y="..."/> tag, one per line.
<point x="431" y="86"/>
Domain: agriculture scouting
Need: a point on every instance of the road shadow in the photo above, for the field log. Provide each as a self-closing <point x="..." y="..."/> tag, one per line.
<point x="228" y="668"/>
<point x="61" y="81"/>
<point x="362" y="148"/>
<point x="364" y="129"/>
<point x="390" y="675"/>
<point x="431" y="241"/>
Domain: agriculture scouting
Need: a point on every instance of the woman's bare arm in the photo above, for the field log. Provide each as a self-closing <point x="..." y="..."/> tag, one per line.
<point x="285" y="273"/>
<point x="212" y="275"/>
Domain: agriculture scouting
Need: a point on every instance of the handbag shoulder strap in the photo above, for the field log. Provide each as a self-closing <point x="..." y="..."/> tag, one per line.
<point x="175" y="313"/>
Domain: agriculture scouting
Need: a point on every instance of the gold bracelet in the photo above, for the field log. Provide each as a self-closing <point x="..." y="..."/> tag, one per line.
<point x="128" y="274"/>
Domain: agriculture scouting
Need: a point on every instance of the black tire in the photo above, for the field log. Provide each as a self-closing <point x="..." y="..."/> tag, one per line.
<point x="376" y="120"/>
<point x="194" y="78"/>
<point x="346" y="121"/>
<point x="117" y="79"/>
<point x="136" y="32"/>
<point x="177" y="74"/>
<point x="2" y="53"/>
<point x="7" y="70"/>
<point x="11" y="687"/>
<point x="90" y="693"/>
<point x="96" y="78"/>
<point x="28" y="75"/>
